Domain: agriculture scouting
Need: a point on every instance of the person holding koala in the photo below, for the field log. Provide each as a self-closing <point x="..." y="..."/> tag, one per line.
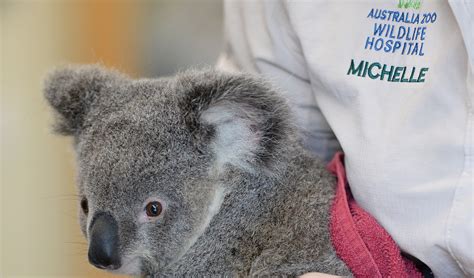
<point x="391" y="84"/>
<point x="204" y="173"/>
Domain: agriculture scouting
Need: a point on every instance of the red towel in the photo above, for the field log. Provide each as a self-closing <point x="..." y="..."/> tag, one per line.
<point x="361" y="242"/>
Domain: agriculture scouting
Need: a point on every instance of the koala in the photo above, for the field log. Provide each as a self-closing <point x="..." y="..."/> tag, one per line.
<point x="198" y="174"/>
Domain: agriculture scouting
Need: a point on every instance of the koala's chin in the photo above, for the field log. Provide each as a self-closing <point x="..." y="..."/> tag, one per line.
<point x="130" y="267"/>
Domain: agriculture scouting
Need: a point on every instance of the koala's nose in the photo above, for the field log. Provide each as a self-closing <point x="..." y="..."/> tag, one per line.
<point x="104" y="242"/>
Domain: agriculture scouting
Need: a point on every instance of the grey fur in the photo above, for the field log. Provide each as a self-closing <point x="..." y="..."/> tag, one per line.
<point x="163" y="137"/>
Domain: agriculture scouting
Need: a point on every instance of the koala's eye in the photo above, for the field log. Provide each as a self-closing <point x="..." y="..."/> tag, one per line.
<point x="153" y="209"/>
<point x="84" y="206"/>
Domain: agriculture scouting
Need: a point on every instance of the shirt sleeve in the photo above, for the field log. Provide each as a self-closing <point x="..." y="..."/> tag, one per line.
<point x="260" y="39"/>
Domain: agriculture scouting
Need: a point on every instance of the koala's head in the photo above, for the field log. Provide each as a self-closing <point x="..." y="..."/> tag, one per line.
<point x="154" y="155"/>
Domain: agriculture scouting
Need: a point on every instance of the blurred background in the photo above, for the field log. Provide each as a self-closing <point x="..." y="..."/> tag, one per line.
<point x="39" y="231"/>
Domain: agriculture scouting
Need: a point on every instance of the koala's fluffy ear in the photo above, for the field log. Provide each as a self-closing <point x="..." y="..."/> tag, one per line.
<point x="72" y="90"/>
<point x="244" y="121"/>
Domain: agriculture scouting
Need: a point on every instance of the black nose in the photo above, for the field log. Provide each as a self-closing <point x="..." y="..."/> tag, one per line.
<point x="104" y="242"/>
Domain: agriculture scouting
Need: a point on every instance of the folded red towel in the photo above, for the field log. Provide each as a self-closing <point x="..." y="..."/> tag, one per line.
<point x="362" y="243"/>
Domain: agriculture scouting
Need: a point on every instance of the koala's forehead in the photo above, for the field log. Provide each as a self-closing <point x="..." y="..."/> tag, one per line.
<point x="117" y="166"/>
<point x="137" y="139"/>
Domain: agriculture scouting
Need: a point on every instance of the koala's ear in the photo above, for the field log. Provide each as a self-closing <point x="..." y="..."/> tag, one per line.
<point x="72" y="90"/>
<point x="244" y="121"/>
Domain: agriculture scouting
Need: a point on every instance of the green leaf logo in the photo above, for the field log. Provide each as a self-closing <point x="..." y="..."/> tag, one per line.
<point x="407" y="4"/>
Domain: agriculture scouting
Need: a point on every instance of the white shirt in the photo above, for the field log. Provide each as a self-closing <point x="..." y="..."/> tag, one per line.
<point x="393" y="86"/>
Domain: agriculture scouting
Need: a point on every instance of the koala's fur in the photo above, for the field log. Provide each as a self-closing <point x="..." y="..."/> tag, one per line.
<point x="242" y="196"/>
